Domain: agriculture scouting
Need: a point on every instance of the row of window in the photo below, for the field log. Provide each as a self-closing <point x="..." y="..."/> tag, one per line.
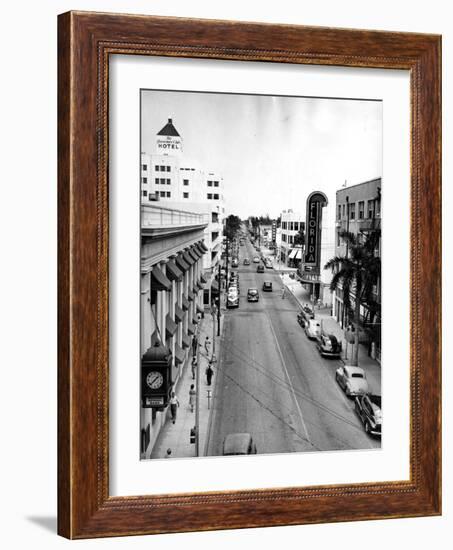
<point x="287" y="238"/>
<point x="213" y="196"/>
<point x="160" y="168"/>
<point x="162" y="181"/>
<point x="166" y="194"/>
<point x="212" y="183"/>
<point x="293" y="226"/>
<point x="373" y="210"/>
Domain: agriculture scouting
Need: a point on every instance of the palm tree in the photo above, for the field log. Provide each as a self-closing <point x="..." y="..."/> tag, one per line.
<point x="357" y="273"/>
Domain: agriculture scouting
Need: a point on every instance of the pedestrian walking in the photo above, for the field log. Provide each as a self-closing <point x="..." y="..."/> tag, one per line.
<point x="192" y="396"/>
<point x="194" y="345"/>
<point x="209" y="374"/>
<point x="168" y="454"/>
<point x="194" y="367"/>
<point x="283" y="293"/>
<point x="207" y="345"/>
<point x="174" y="404"/>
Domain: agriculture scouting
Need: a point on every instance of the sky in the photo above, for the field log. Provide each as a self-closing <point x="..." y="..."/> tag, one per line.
<point x="272" y="151"/>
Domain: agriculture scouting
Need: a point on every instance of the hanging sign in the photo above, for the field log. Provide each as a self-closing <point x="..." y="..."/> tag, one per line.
<point x="315" y="202"/>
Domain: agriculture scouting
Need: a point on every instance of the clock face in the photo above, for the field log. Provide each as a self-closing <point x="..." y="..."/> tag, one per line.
<point x="154" y="380"/>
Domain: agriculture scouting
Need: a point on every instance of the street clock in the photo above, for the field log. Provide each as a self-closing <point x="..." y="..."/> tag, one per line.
<point x="156" y="376"/>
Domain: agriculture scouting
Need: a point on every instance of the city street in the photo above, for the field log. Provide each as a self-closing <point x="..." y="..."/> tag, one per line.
<point x="272" y="382"/>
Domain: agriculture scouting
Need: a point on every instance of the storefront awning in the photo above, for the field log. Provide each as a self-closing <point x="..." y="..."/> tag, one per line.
<point x="195" y="320"/>
<point x="203" y="279"/>
<point x="191" y="328"/>
<point x="158" y="280"/>
<point x="173" y="272"/>
<point x="185" y="303"/>
<point x="200" y="309"/>
<point x="299" y="254"/>
<point x="179" y="355"/>
<point x="185" y="341"/>
<point x="195" y="290"/>
<point x="170" y="326"/>
<point x="188" y="258"/>
<point x="203" y="247"/>
<point x="199" y="285"/>
<point x="182" y="264"/>
<point x="191" y="296"/>
<point x="179" y="314"/>
<point x="192" y="252"/>
<point x="292" y="254"/>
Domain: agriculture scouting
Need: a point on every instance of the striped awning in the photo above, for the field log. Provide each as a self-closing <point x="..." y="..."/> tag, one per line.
<point x="185" y="303"/>
<point x="173" y="271"/>
<point x="158" y="280"/>
<point x="188" y="258"/>
<point x="185" y="341"/>
<point x="191" y="296"/>
<point x="170" y="326"/>
<point x="203" y="247"/>
<point x="203" y="279"/>
<point x="214" y="287"/>
<point x="192" y="252"/>
<point x="195" y="320"/>
<point x="182" y="264"/>
<point x="191" y="328"/>
<point x="179" y="314"/>
<point x="179" y="355"/>
<point x="200" y="309"/>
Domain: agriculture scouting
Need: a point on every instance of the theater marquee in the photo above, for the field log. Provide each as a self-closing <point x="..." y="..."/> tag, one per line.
<point x="315" y="203"/>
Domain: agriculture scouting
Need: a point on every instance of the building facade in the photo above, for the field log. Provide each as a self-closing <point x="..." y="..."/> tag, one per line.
<point x="172" y="251"/>
<point x="169" y="177"/>
<point x="291" y="250"/>
<point x="358" y="211"/>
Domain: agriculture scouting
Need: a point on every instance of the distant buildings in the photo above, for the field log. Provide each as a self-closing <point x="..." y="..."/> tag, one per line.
<point x="177" y="183"/>
<point x="358" y="210"/>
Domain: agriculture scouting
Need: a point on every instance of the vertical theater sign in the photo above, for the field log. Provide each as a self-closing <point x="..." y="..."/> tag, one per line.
<point x="311" y="269"/>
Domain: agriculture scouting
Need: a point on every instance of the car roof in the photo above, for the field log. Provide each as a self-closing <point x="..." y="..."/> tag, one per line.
<point x="267" y="282"/>
<point x="353" y="370"/>
<point x="252" y="288"/>
<point x="237" y="442"/>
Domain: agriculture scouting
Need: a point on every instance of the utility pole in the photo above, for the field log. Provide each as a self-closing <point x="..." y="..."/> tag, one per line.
<point x="218" y="303"/>
<point x="197" y="407"/>
<point x="227" y="260"/>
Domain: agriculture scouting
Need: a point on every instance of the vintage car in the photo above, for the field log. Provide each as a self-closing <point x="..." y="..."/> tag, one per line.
<point x="260" y="268"/>
<point x="232" y="299"/>
<point x="269" y="264"/>
<point x="312" y="329"/>
<point x="246" y="261"/>
<point x="253" y="295"/>
<point x="239" y="444"/>
<point x="305" y="314"/>
<point x="256" y="260"/>
<point x="267" y="286"/>
<point x="368" y="409"/>
<point x="352" y="380"/>
<point x="328" y="345"/>
<point x="234" y="262"/>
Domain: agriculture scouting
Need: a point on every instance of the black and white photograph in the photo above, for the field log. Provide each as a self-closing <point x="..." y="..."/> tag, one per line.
<point x="260" y="274"/>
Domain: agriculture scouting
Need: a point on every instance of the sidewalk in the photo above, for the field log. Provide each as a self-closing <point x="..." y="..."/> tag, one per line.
<point x="330" y="325"/>
<point x="177" y="436"/>
<point x="277" y="265"/>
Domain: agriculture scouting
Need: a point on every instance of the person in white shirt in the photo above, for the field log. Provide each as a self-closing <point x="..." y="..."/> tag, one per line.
<point x="174" y="404"/>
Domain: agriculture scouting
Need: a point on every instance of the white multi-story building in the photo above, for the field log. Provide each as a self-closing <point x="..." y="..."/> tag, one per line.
<point x="291" y="224"/>
<point x="169" y="177"/>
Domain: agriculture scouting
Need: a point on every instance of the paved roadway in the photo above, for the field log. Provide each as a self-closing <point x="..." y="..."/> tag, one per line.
<point x="272" y="382"/>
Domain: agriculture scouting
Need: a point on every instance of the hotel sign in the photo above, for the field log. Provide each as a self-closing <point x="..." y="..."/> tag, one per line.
<point x="274" y="231"/>
<point x="315" y="203"/>
<point x="169" y="144"/>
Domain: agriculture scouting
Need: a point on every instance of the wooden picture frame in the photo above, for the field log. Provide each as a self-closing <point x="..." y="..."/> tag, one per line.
<point x="85" y="41"/>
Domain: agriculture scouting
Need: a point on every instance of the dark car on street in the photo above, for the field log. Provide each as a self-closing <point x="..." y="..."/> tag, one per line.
<point x="246" y="261"/>
<point x="328" y="346"/>
<point x="260" y="268"/>
<point x="239" y="444"/>
<point x="253" y="295"/>
<point x="304" y="316"/>
<point x="368" y="409"/>
<point x="267" y="286"/>
<point x="234" y="262"/>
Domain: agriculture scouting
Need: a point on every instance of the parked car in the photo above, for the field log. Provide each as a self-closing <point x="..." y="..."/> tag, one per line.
<point x="352" y="380"/>
<point x="246" y="261"/>
<point x="267" y="286"/>
<point x="256" y="260"/>
<point x="239" y="444"/>
<point x="328" y="345"/>
<point x="232" y="300"/>
<point x="269" y="264"/>
<point x="252" y="295"/>
<point x="368" y="409"/>
<point x="234" y="262"/>
<point x="312" y="329"/>
<point x="260" y="269"/>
